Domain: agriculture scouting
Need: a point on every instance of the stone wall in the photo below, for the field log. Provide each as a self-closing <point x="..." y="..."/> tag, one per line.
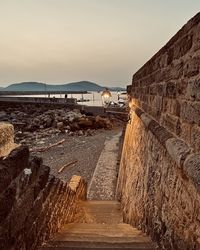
<point x="159" y="179"/>
<point x="6" y="139"/>
<point x="33" y="204"/>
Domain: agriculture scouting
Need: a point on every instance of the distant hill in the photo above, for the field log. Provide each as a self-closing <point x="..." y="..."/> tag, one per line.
<point x="75" y="86"/>
<point x="117" y="89"/>
<point x="25" y="86"/>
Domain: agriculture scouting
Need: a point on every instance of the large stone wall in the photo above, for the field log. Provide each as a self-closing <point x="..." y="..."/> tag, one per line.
<point x="33" y="204"/>
<point x="159" y="179"/>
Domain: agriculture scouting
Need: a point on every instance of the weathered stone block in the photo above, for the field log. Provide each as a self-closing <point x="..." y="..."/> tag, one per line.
<point x="178" y="150"/>
<point x="195" y="137"/>
<point x="185" y="132"/>
<point x="193" y="90"/>
<point x="7" y="201"/>
<point x="16" y="161"/>
<point x="43" y="175"/>
<point x="181" y="87"/>
<point x="161" y="133"/>
<point x="177" y="70"/>
<point x="170" y="56"/>
<point x="161" y="89"/>
<point x="5" y="242"/>
<point x="138" y="112"/>
<point x="192" y="67"/>
<point x="183" y="46"/>
<point x="34" y="165"/>
<point x="146" y="119"/>
<point x="171" y="106"/>
<point x="21" y="210"/>
<point x="192" y="168"/>
<point x="171" y="123"/>
<point x="157" y="103"/>
<point x="171" y="89"/>
<point x="190" y="112"/>
<point x="5" y="178"/>
<point x="196" y="44"/>
<point x="49" y="187"/>
<point x="34" y="213"/>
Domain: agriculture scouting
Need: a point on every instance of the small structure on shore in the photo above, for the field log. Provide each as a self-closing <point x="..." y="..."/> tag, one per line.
<point x="106" y="95"/>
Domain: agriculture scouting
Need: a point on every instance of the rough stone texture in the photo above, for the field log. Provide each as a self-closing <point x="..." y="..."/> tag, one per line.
<point x="34" y="204"/>
<point x="178" y="150"/>
<point x="6" y="139"/>
<point x="159" y="176"/>
<point x="156" y="196"/>
<point x="192" y="168"/>
<point x="168" y="86"/>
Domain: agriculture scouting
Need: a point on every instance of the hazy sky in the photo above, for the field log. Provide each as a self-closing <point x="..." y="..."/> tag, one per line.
<point x="105" y="41"/>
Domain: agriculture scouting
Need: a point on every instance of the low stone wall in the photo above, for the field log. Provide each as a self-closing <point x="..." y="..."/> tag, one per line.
<point x="40" y="100"/>
<point x="159" y="178"/>
<point x="34" y="204"/>
<point x="6" y="139"/>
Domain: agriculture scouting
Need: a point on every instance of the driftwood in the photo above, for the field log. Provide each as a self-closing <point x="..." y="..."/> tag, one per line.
<point x="42" y="149"/>
<point x="67" y="165"/>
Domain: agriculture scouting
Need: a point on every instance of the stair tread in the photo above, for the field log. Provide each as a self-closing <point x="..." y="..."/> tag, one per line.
<point x="101" y="238"/>
<point x="98" y="243"/>
<point x="97" y="206"/>
<point x="105" y="232"/>
<point x="102" y="228"/>
<point x="102" y="211"/>
<point x="101" y="202"/>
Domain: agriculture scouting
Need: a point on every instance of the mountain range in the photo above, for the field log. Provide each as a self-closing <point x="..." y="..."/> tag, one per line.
<point x="75" y="86"/>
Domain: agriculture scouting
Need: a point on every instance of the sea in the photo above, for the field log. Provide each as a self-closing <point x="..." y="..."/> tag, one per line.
<point x="91" y="98"/>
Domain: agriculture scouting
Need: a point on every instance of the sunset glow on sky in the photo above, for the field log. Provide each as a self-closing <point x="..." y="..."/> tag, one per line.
<point x="104" y="41"/>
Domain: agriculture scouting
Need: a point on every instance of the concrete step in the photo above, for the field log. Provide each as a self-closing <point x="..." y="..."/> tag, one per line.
<point x="100" y="228"/>
<point x="98" y="245"/>
<point x="102" y="212"/>
<point x="99" y="236"/>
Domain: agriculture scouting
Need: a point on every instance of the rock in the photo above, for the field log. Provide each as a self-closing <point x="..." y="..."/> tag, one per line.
<point x="74" y="127"/>
<point x="80" y="133"/>
<point x="48" y="122"/>
<point x="89" y="132"/>
<point x="101" y="122"/>
<point x="60" y="125"/>
<point x="85" y="123"/>
<point x="3" y="115"/>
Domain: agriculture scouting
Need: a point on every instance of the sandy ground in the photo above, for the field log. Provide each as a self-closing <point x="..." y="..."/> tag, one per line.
<point x="85" y="149"/>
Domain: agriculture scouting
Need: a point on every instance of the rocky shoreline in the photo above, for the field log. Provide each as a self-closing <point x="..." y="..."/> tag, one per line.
<point x="34" y="124"/>
<point x="60" y="136"/>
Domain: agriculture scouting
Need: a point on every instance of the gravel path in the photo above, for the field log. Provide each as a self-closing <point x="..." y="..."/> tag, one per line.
<point x="85" y="149"/>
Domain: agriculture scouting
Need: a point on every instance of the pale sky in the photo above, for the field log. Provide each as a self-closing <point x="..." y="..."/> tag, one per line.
<point x="104" y="41"/>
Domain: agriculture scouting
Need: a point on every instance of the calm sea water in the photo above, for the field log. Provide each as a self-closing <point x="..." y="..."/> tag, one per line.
<point x="95" y="98"/>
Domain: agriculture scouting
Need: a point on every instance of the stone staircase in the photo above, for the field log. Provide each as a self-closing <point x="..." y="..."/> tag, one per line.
<point x="100" y="227"/>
